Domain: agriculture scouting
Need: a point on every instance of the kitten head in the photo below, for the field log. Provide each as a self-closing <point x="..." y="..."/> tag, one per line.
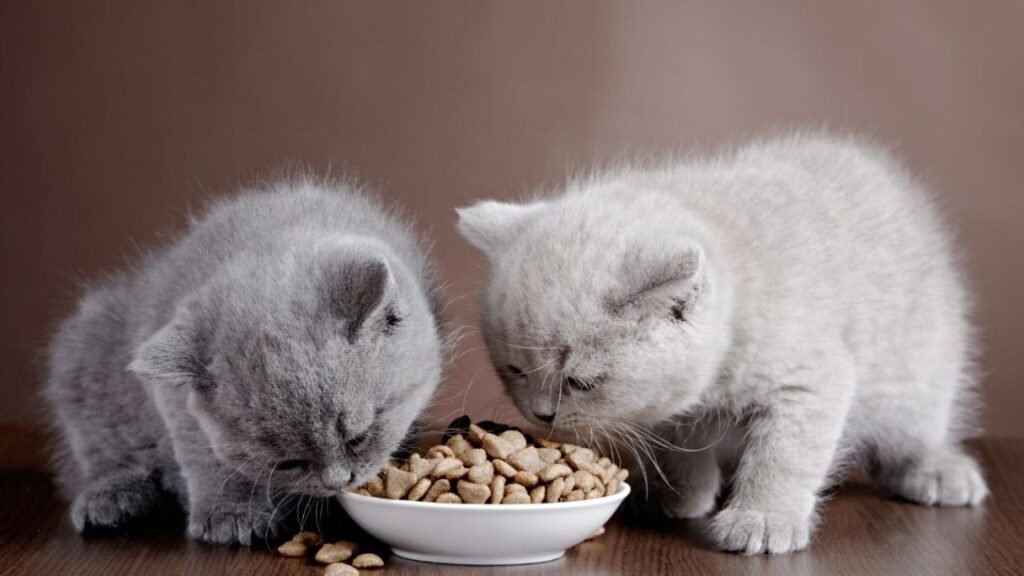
<point x="596" y="315"/>
<point x="307" y="370"/>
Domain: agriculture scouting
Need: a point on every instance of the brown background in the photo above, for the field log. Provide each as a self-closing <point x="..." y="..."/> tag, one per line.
<point x="116" y="116"/>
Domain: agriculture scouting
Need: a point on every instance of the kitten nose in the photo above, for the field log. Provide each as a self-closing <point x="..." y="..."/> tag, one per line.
<point x="545" y="417"/>
<point x="335" y="477"/>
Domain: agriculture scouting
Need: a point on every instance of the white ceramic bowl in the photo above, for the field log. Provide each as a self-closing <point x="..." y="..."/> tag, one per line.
<point x="483" y="534"/>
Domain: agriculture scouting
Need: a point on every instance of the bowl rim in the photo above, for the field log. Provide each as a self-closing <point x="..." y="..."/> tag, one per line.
<point x="619" y="495"/>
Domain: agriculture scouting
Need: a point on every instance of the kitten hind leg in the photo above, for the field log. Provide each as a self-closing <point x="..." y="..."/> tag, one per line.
<point x="943" y="476"/>
<point x="917" y="456"/>
<point x="115" y="499"/>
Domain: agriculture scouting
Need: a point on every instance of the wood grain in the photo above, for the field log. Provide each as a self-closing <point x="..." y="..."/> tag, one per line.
<point x="861" y="533"/>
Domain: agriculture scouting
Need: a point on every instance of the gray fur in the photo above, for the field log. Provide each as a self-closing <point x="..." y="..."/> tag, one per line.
<point x="296" y="322"/>
<point x="797" y="301"/>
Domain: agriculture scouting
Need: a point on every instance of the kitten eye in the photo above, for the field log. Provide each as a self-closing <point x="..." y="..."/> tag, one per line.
<point x="285" y="465"/>
<point x="353" y="444"/>
<point x="679" y="310"/>
<point x="391" y="321"/>
<point x="515" y="371"/>
<point x="578" y="384"/>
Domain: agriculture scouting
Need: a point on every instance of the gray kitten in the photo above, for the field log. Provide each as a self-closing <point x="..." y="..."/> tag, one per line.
<point x="284" y="344"/>
<point x="797" y="301"/>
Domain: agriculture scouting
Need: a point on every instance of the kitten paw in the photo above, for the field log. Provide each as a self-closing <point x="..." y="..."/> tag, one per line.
<point x="756" y="532"/>
<point x="113" y="501"/>
<point x="230" y="524"/>
<point x="952" y="479"/>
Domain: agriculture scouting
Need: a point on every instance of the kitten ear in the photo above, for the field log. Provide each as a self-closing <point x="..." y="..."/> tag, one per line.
<point x="662" y="282"/>
<point x="358" y="289"/>
<point x="174" y="353"/>
<point x="489" y="225"/>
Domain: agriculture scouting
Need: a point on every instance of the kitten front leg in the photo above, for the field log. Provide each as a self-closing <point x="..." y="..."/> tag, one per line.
<point x="791" y="444"/>
<point x="226" y="507"/>
<point x="690" y="464"/>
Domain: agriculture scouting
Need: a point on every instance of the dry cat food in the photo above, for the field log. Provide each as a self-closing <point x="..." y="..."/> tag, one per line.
<point x="490" y="463"/>
<point x="333" y="554"/>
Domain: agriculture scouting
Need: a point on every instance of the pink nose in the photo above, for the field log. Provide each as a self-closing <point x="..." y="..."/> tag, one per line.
<point x="545" y="417"/>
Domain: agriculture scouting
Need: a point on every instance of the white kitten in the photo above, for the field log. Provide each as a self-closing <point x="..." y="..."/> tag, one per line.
<point x="805" y="288"/>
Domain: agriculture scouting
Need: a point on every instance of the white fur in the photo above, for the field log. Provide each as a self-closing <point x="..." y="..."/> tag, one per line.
<point x="825" y="315"/>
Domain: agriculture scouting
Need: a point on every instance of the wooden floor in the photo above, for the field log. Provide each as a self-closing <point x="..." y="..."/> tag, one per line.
<point x="862" y="533"/>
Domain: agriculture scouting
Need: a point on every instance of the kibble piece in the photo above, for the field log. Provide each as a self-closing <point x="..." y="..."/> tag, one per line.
<point x="604" y="462"/>
<point x="598" y="532"/>
<point x="362" y="492"/>
<point x="612" y="471"/>
<point x="398" y="482"/>
<point x="473" y="493"/>
<point x="612" y="487"/>
<point x="308" y="538"/>
<point x="476" y="434"/>
<point x="622" y="474"/>
<point x="293" y="549"/>
<point x="570" y="483"/>
<point x="555" y="489"/>
<point x="589" y="467"/>
<point x="375" y="486"/>
<point x="368" y="561"/>
<point x="549" y="455"/>
<point x="448" y="498"/>
<point x="340" y="569"/>
<point x="440" y="451"/>
<point x="473" y="457"/>
<point x="504" y="468"/>
<point x="537" y="495"/>
<point x="419" y="490"/>
<point x="516" y="498"/>
<point x="513" y="488"/>
<point x="456" y="473"/>
<point x="336" y="552"/>
<point x="420" y="466"/>
<point x="580" y="461"/>
<point x="595" y="493"/>
<point x="497" y="489"/>
<point x="439" y="487"/>
<point x="575" y="495"/>
<point x="568" y="448"/>
<point x="552" y="471"/>
<point x="481" y="473"/>
<point x="544" y="442"/>
<point x="458" y="444"/>
<point x="443" y="467"/>
<point x="527" y="459"/>
<point x="527" y="479"/>
<point x="514" y="438"/>
<point x="585" y="480"/>
<point x="586" y="454"/>
<point x="496" y="447"/>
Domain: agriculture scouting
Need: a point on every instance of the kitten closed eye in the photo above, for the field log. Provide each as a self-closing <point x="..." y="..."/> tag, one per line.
<point x="285" y="465"/>
<point x="515" y="371"/>
<point x="583" y="385"/>
<point x="356" y="442"/>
